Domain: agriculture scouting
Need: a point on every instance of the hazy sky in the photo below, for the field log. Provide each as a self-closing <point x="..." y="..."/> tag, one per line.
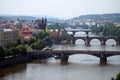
<point x="59" y="8"/>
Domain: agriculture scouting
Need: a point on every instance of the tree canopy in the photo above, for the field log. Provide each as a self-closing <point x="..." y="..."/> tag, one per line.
<point x="117" y="77"/>
<point x="107" y="30"/>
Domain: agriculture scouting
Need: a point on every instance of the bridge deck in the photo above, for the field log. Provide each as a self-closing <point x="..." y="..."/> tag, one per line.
<point x="77" y="52"/>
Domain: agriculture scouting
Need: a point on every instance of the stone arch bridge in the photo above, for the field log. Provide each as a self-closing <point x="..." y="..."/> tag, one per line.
<point x="64" y="55"/>
<point x="88" y="39"/>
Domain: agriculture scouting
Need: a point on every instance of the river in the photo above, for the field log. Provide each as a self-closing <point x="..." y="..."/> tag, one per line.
<point x="79" y="67"/>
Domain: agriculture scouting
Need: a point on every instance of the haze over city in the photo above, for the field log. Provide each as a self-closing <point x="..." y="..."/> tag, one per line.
<point x="59" y="8"/>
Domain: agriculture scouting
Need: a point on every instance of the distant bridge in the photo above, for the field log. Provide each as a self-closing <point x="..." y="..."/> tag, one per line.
<point x="64" y="55"/>
<point x="78" y="30"/>
<point x="87" y="39"/>
<point x="102" y="39"/>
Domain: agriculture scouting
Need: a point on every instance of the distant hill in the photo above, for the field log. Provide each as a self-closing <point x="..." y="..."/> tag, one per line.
<point x="28" y="18"/>
<point x="115" y="17"/>
<point x="10" y="17"/>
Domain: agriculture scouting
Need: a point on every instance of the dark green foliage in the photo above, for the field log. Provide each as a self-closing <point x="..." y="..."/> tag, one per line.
<point x="112" y="78"/>
<point x="107" y="30"/>
<point x="117" y="77"/>
<point x="34" y="46"/>
<point x="7" y="52"/>
<point x="38" y="45"/>
<point x="55" y="26"/>
<point x="18" y="41"/>
<point x="47" y="41"/>
<point x="1" y="52"/>
<point x="21" y="49"/>
<point x="43" y="39"/>
<point x="9" y="45"/>
<point x="14" y="51"/>
<point x="43" y="34"/>
<point x="29" y="42"/>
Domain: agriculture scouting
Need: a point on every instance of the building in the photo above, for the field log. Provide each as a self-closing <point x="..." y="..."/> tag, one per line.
<point x="25" y="32"/>
<point x="18" y="24"/>
<point x="116" y="23"/>
<point x="62" y="33"/>
<point x="40" y="24"/>
<point x="54" y="33"/>
<point x="90" y="23"/>
<point x="8" y="36"/>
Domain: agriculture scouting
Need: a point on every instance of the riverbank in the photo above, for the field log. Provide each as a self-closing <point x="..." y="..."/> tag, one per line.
<point x="13" y="61"/>
<point x="10" y="61"/>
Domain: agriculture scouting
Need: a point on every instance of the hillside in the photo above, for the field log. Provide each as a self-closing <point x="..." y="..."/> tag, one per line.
<point x="28" y="18"/>
<point x="100" y="17"/>
<point x="9" y="17"/>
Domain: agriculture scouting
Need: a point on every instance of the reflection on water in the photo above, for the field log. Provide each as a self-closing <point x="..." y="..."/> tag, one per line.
<point x="79" y="67"/>
<point x="14" y="70"/>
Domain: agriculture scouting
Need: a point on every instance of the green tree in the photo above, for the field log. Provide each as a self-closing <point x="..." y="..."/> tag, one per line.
<point x="7" y="52"/>
<point x="31" y="41"/>
<point x="43" y="34"/>
<point x="18" y="41"/>
<point x="107" y="30"/>
<point x="14" y="51"/>
<point x="28" y="42"/>
<point x="117" y="77"/>
<point x="55" y="26"/>
<point x="34" y="46"/>
<point x="47" y="41"/>
<point x="39" y="45"/>
<point x="9" y="45"/>
<point x="25" y="42"/>
<point x="1" y="52"/>
<point x="22" y="49"/>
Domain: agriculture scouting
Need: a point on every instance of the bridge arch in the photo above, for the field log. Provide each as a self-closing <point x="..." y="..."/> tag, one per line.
<point x="83" y="57"/>
<point x="81" y="32"/>
<point x="99" y="40"/>
<point x="111" y="41"/>
<point x="95" y="42"/>
<point x="79" y="41"/>
<point x="78" y="32"/>
<point x="69" y="33"/>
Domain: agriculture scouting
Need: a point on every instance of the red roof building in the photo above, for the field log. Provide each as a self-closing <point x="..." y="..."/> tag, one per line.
<point x="25" y="32"/>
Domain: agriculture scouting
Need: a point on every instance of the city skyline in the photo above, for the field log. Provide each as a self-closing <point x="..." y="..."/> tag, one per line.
<point x="59" y="8"/>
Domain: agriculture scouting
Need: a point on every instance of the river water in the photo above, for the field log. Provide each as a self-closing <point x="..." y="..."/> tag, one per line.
<point x="79" y="67"/>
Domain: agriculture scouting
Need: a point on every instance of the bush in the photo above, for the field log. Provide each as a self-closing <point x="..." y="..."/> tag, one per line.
<point x="21" y="49"/>
<point x="1" y="52"/>
<point x="117" y="77"/>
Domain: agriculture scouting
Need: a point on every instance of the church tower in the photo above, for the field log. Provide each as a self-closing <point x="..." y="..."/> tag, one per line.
<point x="41" y="24"/>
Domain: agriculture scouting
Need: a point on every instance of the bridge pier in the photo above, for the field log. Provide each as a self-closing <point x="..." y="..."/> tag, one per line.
<point x="103" y="58"/>
<point x="103" y="43"/>
<point x="73" y="32"/>
<point x="87" y="32"/>
<point x="72" y="39"/>
<point x="119" y="42"/>
<point x="87" y="43"/>
<point x="64" y="58"/>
